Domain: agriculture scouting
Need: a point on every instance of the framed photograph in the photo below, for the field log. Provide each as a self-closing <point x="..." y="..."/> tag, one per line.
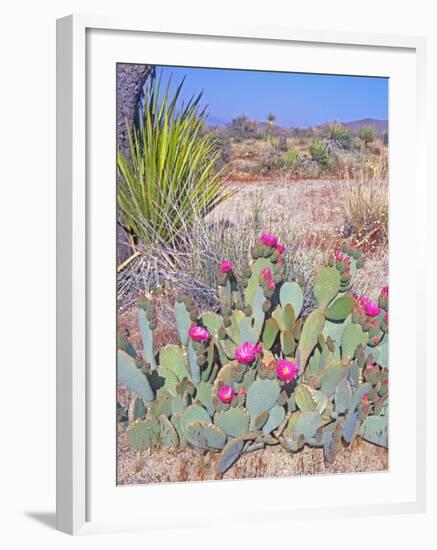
<point x="239" y="318"/>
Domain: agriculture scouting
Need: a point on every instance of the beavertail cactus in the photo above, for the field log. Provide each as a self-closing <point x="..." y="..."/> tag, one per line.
<point x="261" y="372"/>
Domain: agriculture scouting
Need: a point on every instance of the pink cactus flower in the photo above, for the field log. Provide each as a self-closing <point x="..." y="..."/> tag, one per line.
<point x="280" y="248"/>
<point x="369" y="366"/>
<point x="247" y="352"/>
<point x="286" y="370"/>
<point x="268" y="276"/>
<point x="259" y="349"/>
<point x="226" y="266"/>
<point x="371" y="309"/>
<point x="365" y="398"/>
<point x="384" y="291"/>
<point x="339" y="255"/>
<point x="268" y="239"/>
<point x="199" y="334"/>
<point x="226" y="394"/>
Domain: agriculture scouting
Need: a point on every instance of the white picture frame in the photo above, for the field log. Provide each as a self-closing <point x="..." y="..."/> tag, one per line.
<point x="77" y="297"/>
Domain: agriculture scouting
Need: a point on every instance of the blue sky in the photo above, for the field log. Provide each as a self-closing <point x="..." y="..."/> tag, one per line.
<point x="298" y="100"/>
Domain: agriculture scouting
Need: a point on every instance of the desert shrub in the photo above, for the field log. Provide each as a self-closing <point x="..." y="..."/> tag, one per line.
<point x="224" y="143"/>
<point x="319" y="153"/>
<point x="289" y="161"/>
<point x="241" y="128"/>
<point x="367" y="134"/>
<point x="337" y="137"/>
<point x="364" y="204"/>
<point x="171" y="176"/>
<point x="259" y="372"/>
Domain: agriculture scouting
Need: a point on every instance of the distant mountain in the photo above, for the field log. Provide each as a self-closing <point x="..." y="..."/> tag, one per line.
<point x="355" y="126"/>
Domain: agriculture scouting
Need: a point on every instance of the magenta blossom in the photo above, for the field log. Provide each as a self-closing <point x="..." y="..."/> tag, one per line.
<point x="371" y="309"/>
<point x="287" y="370"/>
<point x="268" y="276"/>
<point x="280" y="248"/>
<point x="268" y="239"/>
<point x="339" y="255"/>
<point x="247" y="352"/>
<point x="226" y="266"/>
<point x="226" y="394"/>
<point x="199" y="334"/>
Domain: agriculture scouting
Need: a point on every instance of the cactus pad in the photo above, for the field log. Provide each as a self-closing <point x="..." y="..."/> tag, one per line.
<point x="375" y="430"/>
<point x="132" y="377"/>
<point x="146" y="334"/>
<point x="183" y="321"/>
<point x="234" y="422"/>
<point x="261" y="396"/>
<point x="205" y="435"/>
<point x="143" y="434"/>
<point x="291" y="293"/>
<point x="229" y="455"/>
<point x="340" y="309"/>
<point x="326" y="286"/>
<point x="312" y="327"/>
<point x="353" y="336"/>
<point x="168" y="435"/>
<point x="276" y="416"/>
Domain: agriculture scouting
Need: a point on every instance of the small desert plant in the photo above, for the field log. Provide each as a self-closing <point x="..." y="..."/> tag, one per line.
<point x="258" y="372"/>
<point x="170" y="176"/>
<point x="367" y="134"/>
<point x="271" y="119"/>
<point x="288" y="161"/>
<point x="319" y="153"/>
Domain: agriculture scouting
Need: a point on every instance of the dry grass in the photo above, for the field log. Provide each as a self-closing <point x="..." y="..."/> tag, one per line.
<point x="364" y="204"/>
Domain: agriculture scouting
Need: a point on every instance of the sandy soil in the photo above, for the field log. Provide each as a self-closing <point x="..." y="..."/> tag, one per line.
<point x="309" y="206"/>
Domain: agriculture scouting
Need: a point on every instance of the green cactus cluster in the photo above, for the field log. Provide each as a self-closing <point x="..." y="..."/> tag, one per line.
<point x="260" y="373"/>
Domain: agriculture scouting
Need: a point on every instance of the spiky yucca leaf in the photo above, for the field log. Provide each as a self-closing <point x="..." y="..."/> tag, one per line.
<point x="170" y="176"/>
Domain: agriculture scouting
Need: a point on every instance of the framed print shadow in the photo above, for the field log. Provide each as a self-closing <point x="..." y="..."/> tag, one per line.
<point x="229" y="225"/>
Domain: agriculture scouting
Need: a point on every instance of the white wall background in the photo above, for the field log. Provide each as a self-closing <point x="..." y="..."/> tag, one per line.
<point x="27" y="296"/>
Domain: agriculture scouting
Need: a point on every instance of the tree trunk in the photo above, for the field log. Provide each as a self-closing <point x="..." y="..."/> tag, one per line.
<point x="130" y="83"/>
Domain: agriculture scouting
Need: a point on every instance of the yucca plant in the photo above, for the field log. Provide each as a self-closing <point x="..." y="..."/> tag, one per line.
<point x="292" y="159"/>
<point x="271" y="119"/>
<point x="170" y="176"/>
<point x="337" y="137"/>
<point x="367" y="135"/>
<point x="319" y="153"/>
